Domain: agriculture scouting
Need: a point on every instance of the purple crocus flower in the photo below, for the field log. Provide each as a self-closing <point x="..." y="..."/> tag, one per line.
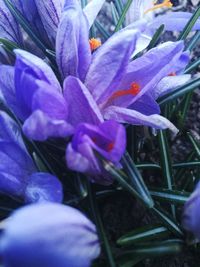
<point x="108" y="140"/>
<point x="191" y="216"/>
<point x="66" y="239"/>
<point x="119" y="86"/>
<point x="49" y="112"/>
<point x="18" y="175"/>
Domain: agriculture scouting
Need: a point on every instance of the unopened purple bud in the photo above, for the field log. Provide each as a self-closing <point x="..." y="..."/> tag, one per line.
<point x="49" y="235"/>
<point x="191" y="215"/>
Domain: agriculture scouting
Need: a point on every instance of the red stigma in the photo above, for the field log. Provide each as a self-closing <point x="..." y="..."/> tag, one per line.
<point x="172" y="74"/>
<point x="110" y="147"/>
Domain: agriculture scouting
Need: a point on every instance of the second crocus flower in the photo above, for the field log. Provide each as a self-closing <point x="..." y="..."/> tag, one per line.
<point x="48" y="235"/>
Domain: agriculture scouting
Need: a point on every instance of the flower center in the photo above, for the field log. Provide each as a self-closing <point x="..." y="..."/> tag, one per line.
<point x="133" y="90"/>
<point x="165" y="3"/>
<point x="94" y="44"/>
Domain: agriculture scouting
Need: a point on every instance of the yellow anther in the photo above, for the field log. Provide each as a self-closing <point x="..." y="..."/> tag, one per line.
<point x="94" y="44"/>
<point x="165" y="3"/>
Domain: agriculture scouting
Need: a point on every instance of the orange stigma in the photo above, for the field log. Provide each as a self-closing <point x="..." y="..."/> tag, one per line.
<point x="165" y="3"/>
<point x="94" y="44"/>
<point x="172" y="74"/>
<point x="134" y="90"/>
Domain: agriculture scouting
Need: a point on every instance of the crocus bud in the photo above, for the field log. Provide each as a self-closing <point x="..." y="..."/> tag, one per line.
<point x="191" y="215"/>
<point x="49" y="235"/>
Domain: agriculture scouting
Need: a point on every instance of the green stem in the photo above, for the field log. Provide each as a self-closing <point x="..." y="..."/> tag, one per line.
<point x="95" y="212"/>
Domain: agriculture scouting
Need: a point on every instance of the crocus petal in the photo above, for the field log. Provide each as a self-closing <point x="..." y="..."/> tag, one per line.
<point x="72" y="43"/>
<point x="79" y="162"/>
<point x="191" y="216"/>
<point x="29" y="11"/>
<point x="37" y="67"/>
<point x="81" y="105"/>
<point x="9" y="28"/>
<point x="137" y="10"/>
<point x="125" y="115"/>
<point x="157" y="63"/>
<point x="72" y="241"/>
<point x="146" y="105"/>
<point x="173" y="21"/>
<point x="40" y="127"/>
<point x="92" y="9"/>
<point x="142" y="43"/>
<point x="10" y="185"/>
<point x="5" y="58"/>
<point x="10" y="131"/>
<point x="50" y="101"/>
<point x="109" y="64"/>
<point x="14" y="160"/>
<point x="29" y="69"/>
<point x="7" y="87"/>
<point x="50" y="13"/>
<point x="43" y="187"/>
<point x="168" y="84"/>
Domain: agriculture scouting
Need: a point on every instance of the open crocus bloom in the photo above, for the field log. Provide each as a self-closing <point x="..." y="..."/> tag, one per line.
<point x="33" y="93"/>
<point x="33" y="237"/>
<point x="124" y="90"/>
<point x="18" y="175"/>
<point x="144" y="9"/>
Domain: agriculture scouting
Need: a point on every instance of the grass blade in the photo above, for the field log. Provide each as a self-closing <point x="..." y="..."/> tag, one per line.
<point x="142" y="234"/>
<point x="192" y="66"/>
<point x="183" y="35"/>
<point x="123" y="183"/>
<point x="102" y="30"/>
<point x="96" y="215"/>
<point x="123" y="15"/>
<point x="180" y="91"/>
<point x="166" y="163"/>
<point x="136" y="179"/>
<point x="25" y="25"/>
<point x="193" y="42"/>
<point x="168" y="221"/>
<point x="170" y="196"/>
<point x="156" y="37"/>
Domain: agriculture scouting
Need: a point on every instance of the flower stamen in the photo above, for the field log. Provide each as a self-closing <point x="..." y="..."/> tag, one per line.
<point x="165" y="3"/>
<point x="94" y="44"/>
